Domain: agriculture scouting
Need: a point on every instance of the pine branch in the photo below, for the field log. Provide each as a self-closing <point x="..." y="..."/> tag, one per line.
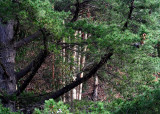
<point x="27" y="40"/>
<point x="38" y="62"/>
<point x="129" y="15"/>
<point x="75" y="17"/>
<point x="77" y="82"/>
<point x="79" y="6"/>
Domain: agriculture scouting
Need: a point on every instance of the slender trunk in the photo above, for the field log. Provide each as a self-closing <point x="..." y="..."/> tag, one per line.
<point x="83" y="59"/>
<point x="74" y="91"/>
<point x="86" y="77"/>
<point x="79" y="69"/>
<point x="53" y="68"/>
<point x="75" y="17"/>
<point x="129" y="15"/>
<point x="63" y="70"/>
<point x="69" y="94"/>
<point x="7" y="59"/>
<point x="95" y="91"/>
<point x="158" y="48"/>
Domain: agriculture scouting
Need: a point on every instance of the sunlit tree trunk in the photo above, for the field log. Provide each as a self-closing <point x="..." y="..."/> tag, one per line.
<point x="95" y="91"/>
<point x="79" y="68"/>
<point x="83" y="59"/>
<point x="63" y="70"/>
<point x="74" y="91"/>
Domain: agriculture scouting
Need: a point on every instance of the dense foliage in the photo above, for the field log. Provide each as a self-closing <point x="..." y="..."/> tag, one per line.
<point x="130" y="28"/>
<point x="53" y="107"/>
<point x="4" y="110"/>
<point x="148" y="102"/>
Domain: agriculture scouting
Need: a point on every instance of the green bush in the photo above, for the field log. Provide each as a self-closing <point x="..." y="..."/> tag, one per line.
<point x="52" y="107"/>
<point x="4" y="110"/>
<point x="149" y="103"/>
<point x="98" y="108"/>
<point x="146" y="103"/>
<point x="91" y="107"/>
<point x="27" y="98"/>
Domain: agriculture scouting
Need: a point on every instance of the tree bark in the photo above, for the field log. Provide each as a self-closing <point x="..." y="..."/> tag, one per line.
<point x="53" y="67"/>
<point x="8" y="79"/>
<point x="30" y="67"/>
<point x="83" y="60"/>
<point x="158" y="48"/>
<point x="77" y="82"/>
<point x="74" y="69"/>
<point x="75" y="17"/>
<point x="63" y="71"/>
<point x="38" y="62"/>
<point x="95" y="91"/>
<point x="27" y="39"/>
<point x="7" y="58"/>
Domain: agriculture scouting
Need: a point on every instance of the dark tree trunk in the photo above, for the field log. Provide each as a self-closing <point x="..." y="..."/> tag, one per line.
<point x="77" y="82"/>
<point x="158" y="48"/>
<point x="75" y="17"/>
<point x="7" y="60"/>
<point x="8" y="77"/>
<point x="129" y="15"/>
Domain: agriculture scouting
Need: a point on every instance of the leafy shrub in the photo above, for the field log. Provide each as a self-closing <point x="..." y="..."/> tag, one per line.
<point x="85" y="107"/>
<point x="4" y="110"/>
<point x="52" y="107"/>
<point x="98" y="108"/>
<point x="27" y="98"/>
<point x="147" y="103"/>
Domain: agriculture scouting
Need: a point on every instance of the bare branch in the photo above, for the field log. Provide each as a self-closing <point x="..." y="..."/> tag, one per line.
<point x="37" y="64"/>
<point x="26" y="70"/>
<point x="44" y="38"/>
<point x="79" y="6"/>
<point x="77" y="82"/>
<point x="129" y="15"/>
<point x="27" y="40"/>
<point x="75" y="17"/>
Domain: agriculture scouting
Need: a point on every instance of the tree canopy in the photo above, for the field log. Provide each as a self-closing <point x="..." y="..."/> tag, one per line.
<point x="122" y="33"/>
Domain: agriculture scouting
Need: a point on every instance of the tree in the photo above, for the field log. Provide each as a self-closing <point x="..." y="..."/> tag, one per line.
<point x="10" y="41"/>
<point x="112" y="33"/>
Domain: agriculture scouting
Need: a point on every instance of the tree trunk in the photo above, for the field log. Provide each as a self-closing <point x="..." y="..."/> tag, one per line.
<point x="7" y="59"/>
<point x="74" y="91"/>
<point x="83" y="59"/>
<point x="8" y="77"/>
<point x="63" y="71"/>
<point x="53" y="68"/>
<point x="158" y="48"/>
<point x="95" y="91"/>
<point x="79" y="69"/>
<point x="129" y="15"/>
<point x="77" y="82"/>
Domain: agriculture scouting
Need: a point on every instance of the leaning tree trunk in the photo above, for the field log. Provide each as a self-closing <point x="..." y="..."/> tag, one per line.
<point x="7" y="60"/>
